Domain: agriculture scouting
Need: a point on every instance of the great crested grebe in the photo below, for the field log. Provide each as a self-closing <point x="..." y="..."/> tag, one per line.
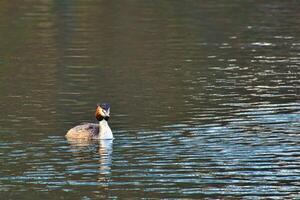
<point x="94" y="131"/>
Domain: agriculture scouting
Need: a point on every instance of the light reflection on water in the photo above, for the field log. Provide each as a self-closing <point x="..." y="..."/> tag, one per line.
<point x="253" y="155"/>
<point x="205" y="101"/>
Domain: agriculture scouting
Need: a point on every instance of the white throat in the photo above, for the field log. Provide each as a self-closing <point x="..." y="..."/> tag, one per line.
<point x="105" y="131"/>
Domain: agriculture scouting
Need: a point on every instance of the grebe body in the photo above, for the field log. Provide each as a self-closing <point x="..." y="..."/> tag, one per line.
<point x="89" y="131"/>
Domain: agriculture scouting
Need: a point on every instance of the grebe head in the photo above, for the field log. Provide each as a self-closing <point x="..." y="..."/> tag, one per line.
<point x="102" y="111"/>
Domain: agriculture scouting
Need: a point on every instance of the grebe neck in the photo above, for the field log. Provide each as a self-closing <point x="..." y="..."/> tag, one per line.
<point x="105" y="132"/>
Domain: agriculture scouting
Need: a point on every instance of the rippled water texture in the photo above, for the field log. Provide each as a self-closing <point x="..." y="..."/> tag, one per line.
<point x="204" y="95"/>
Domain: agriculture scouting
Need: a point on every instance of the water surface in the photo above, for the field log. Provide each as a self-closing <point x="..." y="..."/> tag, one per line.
<point x="204" y="95"/>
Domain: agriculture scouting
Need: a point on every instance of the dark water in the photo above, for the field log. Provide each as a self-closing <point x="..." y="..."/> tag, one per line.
<point x="204" y="95"/>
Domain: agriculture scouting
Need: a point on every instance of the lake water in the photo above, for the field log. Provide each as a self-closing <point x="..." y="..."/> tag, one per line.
<point x="204" y="99"/>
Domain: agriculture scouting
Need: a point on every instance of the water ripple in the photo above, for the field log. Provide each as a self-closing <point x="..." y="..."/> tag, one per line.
<point x="200" y="108"/>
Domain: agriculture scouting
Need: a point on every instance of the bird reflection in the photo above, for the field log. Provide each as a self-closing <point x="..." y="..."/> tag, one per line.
<point x="105" y="161"/>
<point x="81" y="149"/>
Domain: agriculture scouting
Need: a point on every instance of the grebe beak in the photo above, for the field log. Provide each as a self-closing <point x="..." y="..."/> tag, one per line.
<point x="105" y="113"/>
